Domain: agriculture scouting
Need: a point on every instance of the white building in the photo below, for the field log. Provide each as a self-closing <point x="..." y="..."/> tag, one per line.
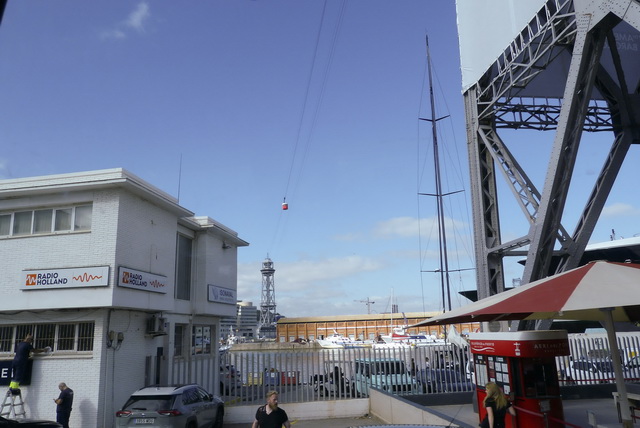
<point x="125" y="285"/>
<point x="248" y="316"/>
<point x="243" y="325"/>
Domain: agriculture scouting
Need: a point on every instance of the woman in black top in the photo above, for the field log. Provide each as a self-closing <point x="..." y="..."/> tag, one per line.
<point x="497" y="406"/>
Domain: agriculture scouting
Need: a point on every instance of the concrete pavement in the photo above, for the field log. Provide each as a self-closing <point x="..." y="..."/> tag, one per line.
<point x="575" y="412"/>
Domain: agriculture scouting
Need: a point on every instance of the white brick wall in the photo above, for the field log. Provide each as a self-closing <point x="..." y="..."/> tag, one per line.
<point x="130" y="230"/>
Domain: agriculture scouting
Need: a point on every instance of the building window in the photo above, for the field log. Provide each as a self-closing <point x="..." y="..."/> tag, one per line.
<point x="46" y="336"/>
<point x="82" y="218"/>
<point x="5" y="224"/>
<point x="22" y="223"/>
<point x="66" y="336"/>
<point x="201" y="340"/>
<point x="59" y="337"/>
<point x="178" y="340"/>
<point x="85" y="336"/>
<point x="63" y="220"/>
<point x="42" y="221"/>
<point x="6" y="339"/>
<point x="184" y="253"/>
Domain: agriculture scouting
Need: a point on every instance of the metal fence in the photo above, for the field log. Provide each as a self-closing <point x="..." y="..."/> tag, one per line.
<point x="340" y="374"/>
<point x="590" y="360"/>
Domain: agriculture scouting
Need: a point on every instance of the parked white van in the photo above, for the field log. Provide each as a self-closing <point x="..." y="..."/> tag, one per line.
<point x="387" y="374"/>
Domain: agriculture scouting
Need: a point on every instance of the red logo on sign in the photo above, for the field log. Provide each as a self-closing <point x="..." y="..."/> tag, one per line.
<point x="125" y="277"/>
<point x="31" y="279"/>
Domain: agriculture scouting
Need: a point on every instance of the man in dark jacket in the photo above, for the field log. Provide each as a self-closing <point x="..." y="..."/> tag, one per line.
<point x="21" y="360"/>
<point x="64" y="403"/>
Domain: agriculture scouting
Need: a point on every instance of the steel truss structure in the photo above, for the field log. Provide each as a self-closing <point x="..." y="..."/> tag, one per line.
<point x="267" y="324"/>
<point x="601" y="93"/>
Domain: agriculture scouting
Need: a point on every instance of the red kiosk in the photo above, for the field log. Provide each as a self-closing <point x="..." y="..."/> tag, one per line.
<point x="523" y="364"/>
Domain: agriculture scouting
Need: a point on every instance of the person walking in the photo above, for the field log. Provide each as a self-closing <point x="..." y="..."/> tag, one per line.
<point x="64" y="403"/>
<point x="497" y="407"/>
<point x="270" y="415"/>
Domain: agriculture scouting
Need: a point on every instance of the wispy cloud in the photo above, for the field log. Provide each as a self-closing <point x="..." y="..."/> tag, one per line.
<point x="138" y="17"/>
<point x="135" y="21"/>
<point x="300" y="285"/>
<point x="620" y="209"/>
<point x="305" y="274"/>
<point x="407" y="227"/>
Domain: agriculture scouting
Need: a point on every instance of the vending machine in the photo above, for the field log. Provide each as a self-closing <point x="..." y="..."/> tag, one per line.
<point x="523" y="364"/>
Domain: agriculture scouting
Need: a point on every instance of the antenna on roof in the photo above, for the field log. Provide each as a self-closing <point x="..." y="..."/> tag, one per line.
<point x="179" y="177"/>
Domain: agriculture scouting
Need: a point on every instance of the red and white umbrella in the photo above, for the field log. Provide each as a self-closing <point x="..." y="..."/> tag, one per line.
<point x="578" y="294"/>
<point x="599" y="291"/>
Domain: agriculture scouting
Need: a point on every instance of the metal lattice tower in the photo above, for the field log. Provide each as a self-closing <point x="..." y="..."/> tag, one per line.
<point x="267" y="325"/>
<point x="583" y="46"/>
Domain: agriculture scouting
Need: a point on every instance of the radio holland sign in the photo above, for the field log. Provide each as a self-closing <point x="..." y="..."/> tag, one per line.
<point x="219" y="294"/>
<point x="66" y="278"/>
<point x="144" y="281"/>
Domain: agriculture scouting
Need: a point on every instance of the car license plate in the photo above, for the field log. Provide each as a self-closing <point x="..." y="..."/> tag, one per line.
<point x="144" y="421"/>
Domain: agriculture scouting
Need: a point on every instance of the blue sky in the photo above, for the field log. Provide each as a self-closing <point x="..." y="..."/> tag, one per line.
<point x="261" y="100"/>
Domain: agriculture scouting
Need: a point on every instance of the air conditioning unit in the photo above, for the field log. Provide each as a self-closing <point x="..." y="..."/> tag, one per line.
<point x="156" y="326"/>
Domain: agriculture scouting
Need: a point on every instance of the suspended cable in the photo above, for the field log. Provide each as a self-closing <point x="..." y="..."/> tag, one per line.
<point x="291" y="177"/>
<point x="323" y="85"/>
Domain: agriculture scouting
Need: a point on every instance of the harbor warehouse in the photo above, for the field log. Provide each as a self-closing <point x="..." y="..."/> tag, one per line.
<point x="100" y="267"/>
<point x="361" y="327"/>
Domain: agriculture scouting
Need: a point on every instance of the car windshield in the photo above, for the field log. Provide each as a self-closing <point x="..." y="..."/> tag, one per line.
<point x="149" y="402"/>
<point x="604" y="366"/>
<point x="391" y="367"/>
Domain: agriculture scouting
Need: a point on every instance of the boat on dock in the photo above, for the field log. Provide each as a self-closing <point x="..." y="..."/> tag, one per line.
<point x="338" y="341"/>
<point x="400" y="338"/>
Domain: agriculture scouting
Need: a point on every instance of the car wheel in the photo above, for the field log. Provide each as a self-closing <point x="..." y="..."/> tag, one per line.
<point x="219" y="422"/>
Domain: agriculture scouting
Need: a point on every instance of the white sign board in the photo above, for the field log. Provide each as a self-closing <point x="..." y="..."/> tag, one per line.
<point x="66" y="278"/>
<point x="222" y="295"/>
<point x="485" y="29"/>
<point x="145" y="281"/>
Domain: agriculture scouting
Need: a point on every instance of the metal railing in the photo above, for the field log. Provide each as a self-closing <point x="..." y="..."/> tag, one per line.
<point x="590" y="360"/>
<point x="340" y="374"/>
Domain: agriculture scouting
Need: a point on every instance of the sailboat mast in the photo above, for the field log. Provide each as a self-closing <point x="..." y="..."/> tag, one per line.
<point x="442" y="235"/>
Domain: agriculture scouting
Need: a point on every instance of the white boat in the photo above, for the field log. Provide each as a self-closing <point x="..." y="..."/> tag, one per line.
<point x="400" y="338"/>
<point x="338" y="341"/>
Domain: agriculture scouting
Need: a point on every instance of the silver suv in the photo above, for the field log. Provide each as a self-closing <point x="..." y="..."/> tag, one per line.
<point x="179" y="406"/>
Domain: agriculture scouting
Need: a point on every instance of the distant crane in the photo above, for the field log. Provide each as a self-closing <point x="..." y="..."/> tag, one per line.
<point x="367" y="302"/>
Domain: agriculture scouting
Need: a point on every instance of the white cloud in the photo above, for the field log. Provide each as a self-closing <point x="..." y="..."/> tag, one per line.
<point x="305" y="282"/>
<point x="407" y="227"/>
<point x="619" y="209"/>
<point x="292" y="276"/>
<point x="134" y="21"/>
<point x="137" y="18"/>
